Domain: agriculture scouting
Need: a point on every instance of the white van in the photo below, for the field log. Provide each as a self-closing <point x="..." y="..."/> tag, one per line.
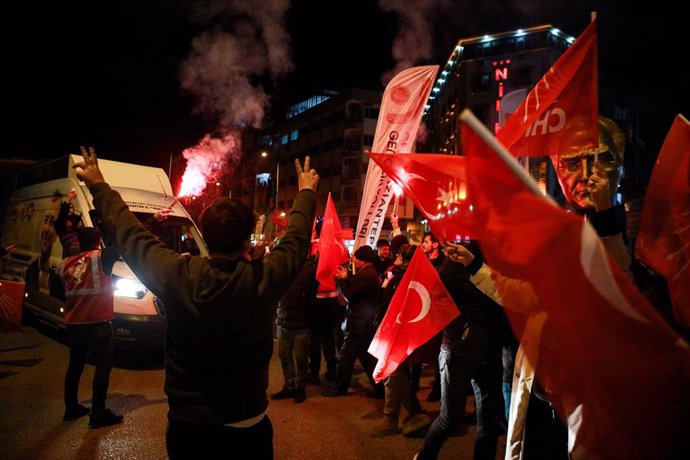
<point x="139" y="316"/>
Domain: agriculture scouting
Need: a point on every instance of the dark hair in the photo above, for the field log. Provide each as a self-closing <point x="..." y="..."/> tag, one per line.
<point x="430" y="235"/>
<point x="382" y="242"/>
<point x="396" y="243"/>
<point x="406" y="252"/>
<point x="226" y="225"/>
<point x="89" y="238"/>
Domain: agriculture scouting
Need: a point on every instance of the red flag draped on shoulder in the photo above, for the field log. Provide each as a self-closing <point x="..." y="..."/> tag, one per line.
<point x="437" y="185"/>
<point x="419" y="309"/>
<point x="622" y="378"/>
<point x="560" y="114"/>
<point x="332" y="249"/>
<point x="663" y="241"/>
<point x="401" y="111"/>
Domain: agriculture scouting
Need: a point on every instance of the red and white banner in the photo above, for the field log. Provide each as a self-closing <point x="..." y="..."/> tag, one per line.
<point x="419" y="309"/>
<point x="622" y="375"/>
<point x="11" y="300"/>
<point x="332" y="250"/>
<point x="401" y="111"/>
<point x="663" y="241"/>
<point x="560" y="114"/>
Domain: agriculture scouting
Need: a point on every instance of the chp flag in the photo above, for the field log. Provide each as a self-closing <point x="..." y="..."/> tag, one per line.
<point x="401" y="111"/>
<point x="560" y="114"/>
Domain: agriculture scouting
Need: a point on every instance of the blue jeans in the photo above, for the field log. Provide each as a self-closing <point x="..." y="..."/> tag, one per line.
<point x="95" y="341"/>
<point x="456" y="376"/>
<point x="293" y="351"/>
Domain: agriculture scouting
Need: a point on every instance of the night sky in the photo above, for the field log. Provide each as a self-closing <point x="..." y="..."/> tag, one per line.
<point x="141" y="80"/>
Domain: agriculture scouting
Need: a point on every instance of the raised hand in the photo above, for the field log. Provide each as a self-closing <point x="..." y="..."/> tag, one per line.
<point x="458" y="253"/>
<point x="88" y="170"/>
<point x="307" y="178"/>
<point x="598" y="188"/>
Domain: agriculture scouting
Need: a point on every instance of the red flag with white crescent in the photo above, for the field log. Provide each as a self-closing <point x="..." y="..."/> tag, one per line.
<point x="663" y="241"/>
<point x="437" y="184"/>
<point x="419" y="309"/>
<point x="401" y="111"/>
<point x="621" y="383"/>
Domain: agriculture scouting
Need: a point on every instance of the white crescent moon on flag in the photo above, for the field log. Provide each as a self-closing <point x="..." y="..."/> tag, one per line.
<point x="426" y="301"/>
<point x="411" y="176"/>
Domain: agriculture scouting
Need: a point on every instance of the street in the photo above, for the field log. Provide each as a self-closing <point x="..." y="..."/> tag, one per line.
<point x="32" y="368"/>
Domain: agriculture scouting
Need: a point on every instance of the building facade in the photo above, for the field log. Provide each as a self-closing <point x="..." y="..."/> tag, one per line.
<point x="490" y="75"/>
<point x="335" y="129"/>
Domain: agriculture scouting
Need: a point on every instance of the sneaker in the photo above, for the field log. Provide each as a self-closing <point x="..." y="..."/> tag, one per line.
<point x="385" y="427"/>
<point x="416" y="425"/>
<point x="75" y="412"/>
<point x="285" y="393"/>
<point x="300" y="396"/>
<point x="105" y="418"/>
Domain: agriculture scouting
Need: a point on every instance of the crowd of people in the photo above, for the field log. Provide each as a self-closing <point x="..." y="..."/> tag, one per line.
<point x="221" y="311"/>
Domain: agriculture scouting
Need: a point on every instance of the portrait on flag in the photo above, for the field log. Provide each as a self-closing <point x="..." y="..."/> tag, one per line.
<point x="596" y="318"/>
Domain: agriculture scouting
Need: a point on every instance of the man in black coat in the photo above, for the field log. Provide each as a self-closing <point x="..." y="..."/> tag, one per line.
<point x="362" y="292"/>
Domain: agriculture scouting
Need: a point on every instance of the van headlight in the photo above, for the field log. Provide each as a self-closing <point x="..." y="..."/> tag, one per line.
<point x="125" y="287"/>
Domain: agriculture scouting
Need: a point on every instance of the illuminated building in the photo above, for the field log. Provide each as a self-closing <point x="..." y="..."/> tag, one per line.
<point x="490" y="75"/>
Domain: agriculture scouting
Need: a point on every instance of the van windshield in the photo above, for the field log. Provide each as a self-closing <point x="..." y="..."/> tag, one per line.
<point x="177" y="233"/>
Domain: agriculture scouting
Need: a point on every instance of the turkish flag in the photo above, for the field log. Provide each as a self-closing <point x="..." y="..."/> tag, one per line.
<point x="437" y="185"/>
<point x="560" y="114"/>
<point x="332" y="249"/>
<point x="419" y="309"/>
<point x="11" y="300"/>
<point x="663" y="241"/>
<point x="623" y="377"/>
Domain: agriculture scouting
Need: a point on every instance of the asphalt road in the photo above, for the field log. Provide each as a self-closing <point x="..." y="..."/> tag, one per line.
<point x="32" y="368"/>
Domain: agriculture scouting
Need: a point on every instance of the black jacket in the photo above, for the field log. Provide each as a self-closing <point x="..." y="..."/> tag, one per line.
<point x="219" y="312"/>
<point x="363" y="294"/>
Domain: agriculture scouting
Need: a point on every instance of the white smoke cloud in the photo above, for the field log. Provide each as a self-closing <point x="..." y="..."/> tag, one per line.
<point x="244" y="42"/>
<point x="413" y="44"/>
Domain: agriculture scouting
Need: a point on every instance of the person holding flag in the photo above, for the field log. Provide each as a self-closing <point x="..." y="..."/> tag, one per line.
<point x="362" y="292"/>
<point x="470" y="355"/>
<point x="398" y="385"/>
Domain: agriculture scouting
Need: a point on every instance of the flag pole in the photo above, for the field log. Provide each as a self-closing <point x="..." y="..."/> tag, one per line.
<point x="471" y="120"/>
<point x="592" y="18"/>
